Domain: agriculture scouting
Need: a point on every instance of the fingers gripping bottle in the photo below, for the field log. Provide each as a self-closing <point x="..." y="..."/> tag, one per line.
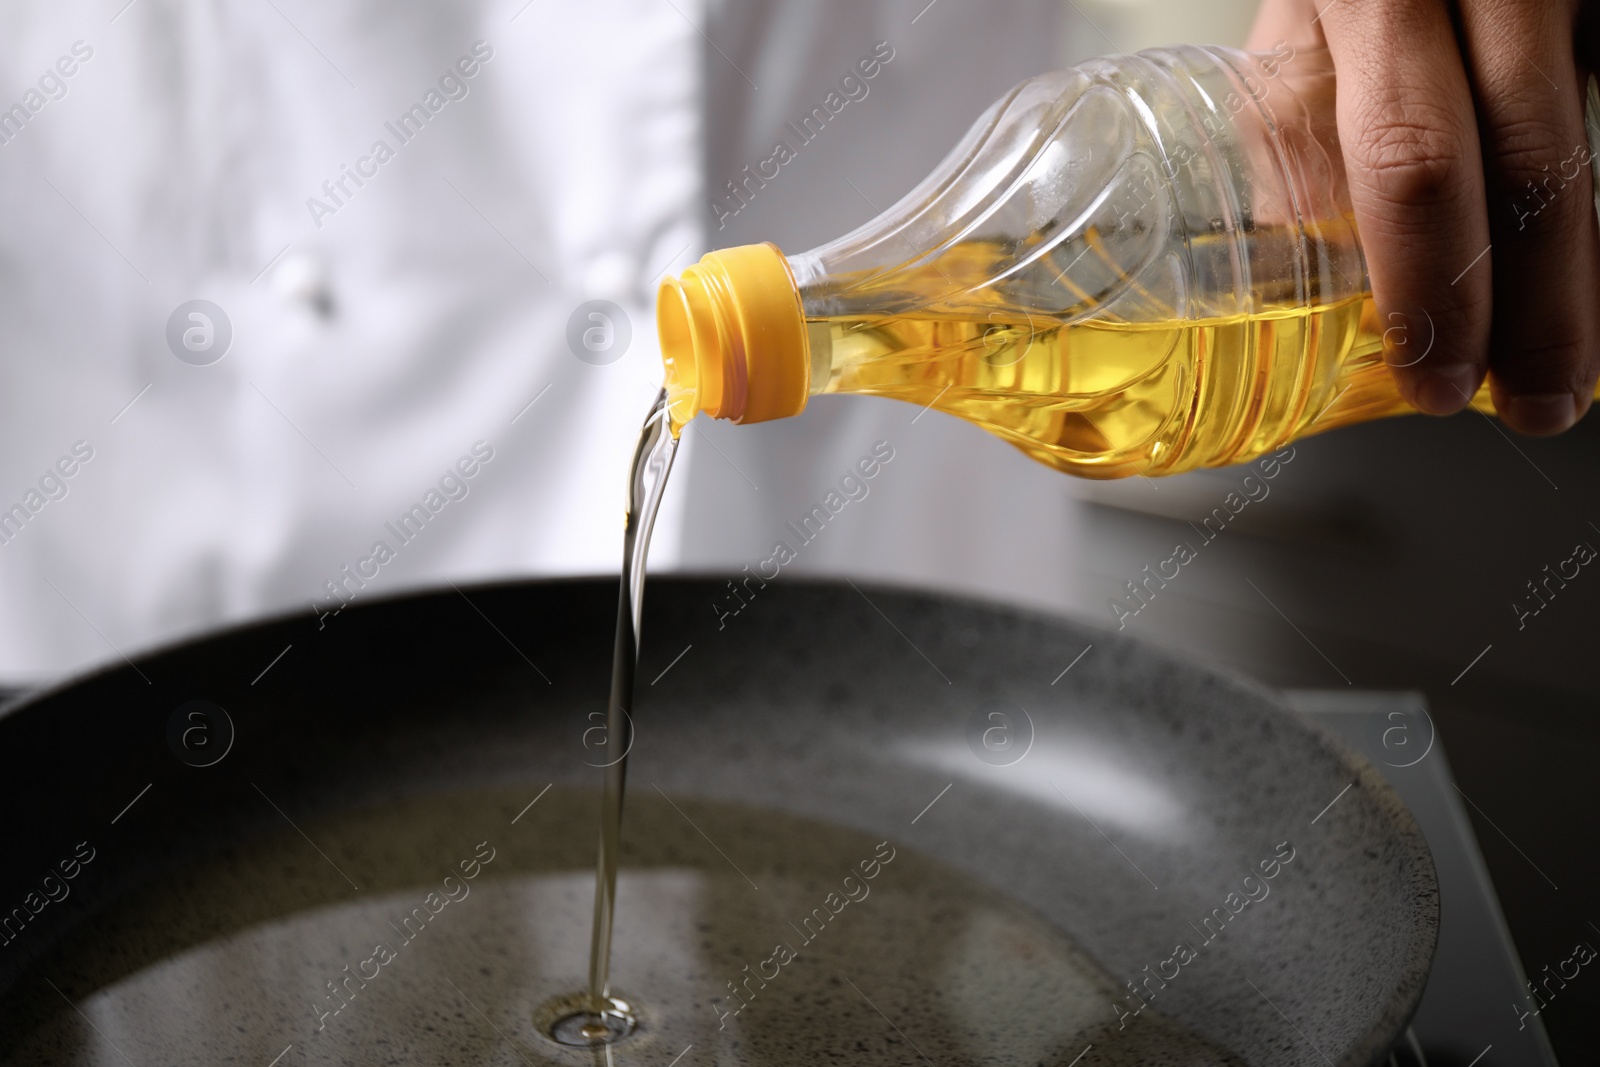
<point x="1143" y="265"/>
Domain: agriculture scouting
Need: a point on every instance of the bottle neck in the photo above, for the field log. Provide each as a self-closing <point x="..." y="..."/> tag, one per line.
<point x="733" y="338"/>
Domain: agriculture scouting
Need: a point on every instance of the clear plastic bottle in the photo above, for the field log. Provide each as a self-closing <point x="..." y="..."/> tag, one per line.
<point x="1142" y="265"/>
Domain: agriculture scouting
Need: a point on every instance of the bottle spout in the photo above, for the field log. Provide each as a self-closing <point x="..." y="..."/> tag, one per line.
<point x="733" y="338"/>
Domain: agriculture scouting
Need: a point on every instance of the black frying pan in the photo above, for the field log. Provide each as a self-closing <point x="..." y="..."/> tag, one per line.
<point x="173" y="870"/>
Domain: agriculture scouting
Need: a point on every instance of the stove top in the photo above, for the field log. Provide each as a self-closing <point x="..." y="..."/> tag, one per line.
<point x="1472" y="1011"/>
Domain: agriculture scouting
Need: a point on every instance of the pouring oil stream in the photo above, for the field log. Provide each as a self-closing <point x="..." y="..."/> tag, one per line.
<point x="602" y="1019"/>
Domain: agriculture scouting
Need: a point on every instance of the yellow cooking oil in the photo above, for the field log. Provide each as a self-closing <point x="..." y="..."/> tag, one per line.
<point x="1085" y="389"/>
<point x="1104" y="398"/>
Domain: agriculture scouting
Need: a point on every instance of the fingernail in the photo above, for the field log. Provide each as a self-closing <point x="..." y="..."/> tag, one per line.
<point x="1446" y="390"/>
<point x="1546" y="414"/>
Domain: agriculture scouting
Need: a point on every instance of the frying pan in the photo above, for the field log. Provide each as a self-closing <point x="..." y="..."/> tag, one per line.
<point x="195" y="839"/>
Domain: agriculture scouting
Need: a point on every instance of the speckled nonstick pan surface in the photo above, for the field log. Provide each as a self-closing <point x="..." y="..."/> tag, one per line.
<point x="182" y="885"/>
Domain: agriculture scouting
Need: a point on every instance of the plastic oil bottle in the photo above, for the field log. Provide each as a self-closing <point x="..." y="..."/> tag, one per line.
<point x="1142" y="265"/>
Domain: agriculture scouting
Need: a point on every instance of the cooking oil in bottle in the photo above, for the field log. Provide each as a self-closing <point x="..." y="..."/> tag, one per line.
<point x="1144" y="265"/>
<point x="1105" y="399"/>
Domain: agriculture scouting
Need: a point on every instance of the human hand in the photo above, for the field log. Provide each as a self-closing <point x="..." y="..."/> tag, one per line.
<point x="1462" y="128"/>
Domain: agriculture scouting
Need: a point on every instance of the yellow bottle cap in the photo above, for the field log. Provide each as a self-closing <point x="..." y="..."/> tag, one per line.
<point x="733" y="338"/>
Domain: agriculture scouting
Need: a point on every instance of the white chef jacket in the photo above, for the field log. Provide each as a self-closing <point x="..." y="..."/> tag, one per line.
<point x="405" y="326"/>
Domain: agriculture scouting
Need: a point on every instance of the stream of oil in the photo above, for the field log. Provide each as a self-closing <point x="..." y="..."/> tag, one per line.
<point x="598" y="1018"/>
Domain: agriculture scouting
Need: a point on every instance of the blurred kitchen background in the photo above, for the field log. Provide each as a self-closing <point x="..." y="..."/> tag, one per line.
<point x="372" y="347"/>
